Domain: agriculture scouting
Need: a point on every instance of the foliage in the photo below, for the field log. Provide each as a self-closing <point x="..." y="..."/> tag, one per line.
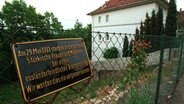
<point x="88" y="40"/>
<point x="171" y="20"/>
<point x="78" y="26"/>
<point x="32" y="26"/>
<point x="111" y="53"/>
<point x="80" y="32"/>
<point x="152" y="26"/>
<point x="137" y="31"/>
<point x="142" y="29"/>
<point x="141" y="95"/>
<point x="20" y="22"/>
<point x="147" y="25"/>
<point x="52" y="27"/>
<point x="153" y="23"/>
<point x="130" y="48"/>
<point x="139" y="55"/>
<point x="159" y="22"/>
<point x="65" y="95"/>
<point x="125" y="46"/>
<point x="136" y="34"/>
<point x="23" y="23"/>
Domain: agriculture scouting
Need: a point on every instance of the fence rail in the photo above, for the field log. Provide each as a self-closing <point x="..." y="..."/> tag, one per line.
<point x="128" y="69"/>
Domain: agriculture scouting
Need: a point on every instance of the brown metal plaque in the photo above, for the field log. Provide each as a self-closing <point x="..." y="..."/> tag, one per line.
<point x="46" y="67"/>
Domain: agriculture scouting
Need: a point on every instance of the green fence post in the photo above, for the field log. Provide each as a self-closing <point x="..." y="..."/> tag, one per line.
<point x="160" y="69"/>
<point x="179" y="64"/>
<point x="182" y="58"/>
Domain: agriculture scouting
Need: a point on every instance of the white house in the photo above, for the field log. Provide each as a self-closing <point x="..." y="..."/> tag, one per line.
<point x="120" y="16"/>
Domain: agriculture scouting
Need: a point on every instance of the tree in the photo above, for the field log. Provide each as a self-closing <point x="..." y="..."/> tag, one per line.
<point x="78" y="31"/>
<point x="130" y="48"/>
<point x="27" y="24"/>
<point x="88" y="39"/>
<point x="147" y="25"/>
<point x="153" y="23"/>
<point x="31" y="25"/>
<point x="142" y="29"/>
<point x="23" y="24"/>
<point x="1" y="27"/>
<point x="125" y="47"/>
<point x="17" y="15"/>
<point x="137" y="31"/>
<point x="171" y="19"/>
<point x="78" y="25"/>
<point x="136" y="34"/>
<point x="52" y="27"/>
<point x="159" y="30"/>
<point x="171" y="25"/>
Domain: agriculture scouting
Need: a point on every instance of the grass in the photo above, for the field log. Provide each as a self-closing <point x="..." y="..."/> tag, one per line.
<point x="137" y="94"/>
<point x="142" y="95"/>
<point x="132" y="76"/>
<point x="10" y="94"/>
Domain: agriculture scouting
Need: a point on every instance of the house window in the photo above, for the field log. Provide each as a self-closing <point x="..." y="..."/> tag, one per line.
<point x="107" y="18"/>
<point x="99" y="19"/>
<point x="107" y="37"/>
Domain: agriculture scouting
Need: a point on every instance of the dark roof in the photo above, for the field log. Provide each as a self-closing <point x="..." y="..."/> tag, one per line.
<point x="112" y="5"/>
<point x="181" y="18"/>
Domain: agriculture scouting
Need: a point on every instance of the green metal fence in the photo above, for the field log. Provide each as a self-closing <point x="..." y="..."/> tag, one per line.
<point x="128" y="69"/>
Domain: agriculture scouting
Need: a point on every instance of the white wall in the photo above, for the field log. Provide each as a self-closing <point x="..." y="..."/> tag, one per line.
<point x="121" y="20"/>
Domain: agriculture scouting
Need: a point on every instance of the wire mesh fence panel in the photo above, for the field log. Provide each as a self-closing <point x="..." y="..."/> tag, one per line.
<point x="169" y="68"/>
<point x="139" y="74"/>
<point x="125" y="70"/>
<point x="9" y="87"/>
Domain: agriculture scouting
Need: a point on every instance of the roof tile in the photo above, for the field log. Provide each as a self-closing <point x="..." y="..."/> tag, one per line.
<point x="114" y="3"/>
<point x="117" y="3"/>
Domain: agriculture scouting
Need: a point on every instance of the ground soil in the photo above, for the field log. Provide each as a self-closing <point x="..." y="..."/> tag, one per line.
<point x="178" y="95"/>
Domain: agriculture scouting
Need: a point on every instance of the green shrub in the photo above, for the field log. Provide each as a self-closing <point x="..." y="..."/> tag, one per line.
<point x="111" y="53"/>
<point x="125" y="47"/>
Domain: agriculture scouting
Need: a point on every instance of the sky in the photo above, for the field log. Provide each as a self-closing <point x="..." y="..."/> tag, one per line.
<point x="68" y="11"/>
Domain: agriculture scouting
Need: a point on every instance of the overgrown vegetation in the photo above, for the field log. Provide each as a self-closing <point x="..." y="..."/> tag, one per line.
<point x="139" y="55"/>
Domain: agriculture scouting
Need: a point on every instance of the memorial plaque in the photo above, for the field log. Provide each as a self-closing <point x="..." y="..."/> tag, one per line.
<point x="45" y="67"/>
